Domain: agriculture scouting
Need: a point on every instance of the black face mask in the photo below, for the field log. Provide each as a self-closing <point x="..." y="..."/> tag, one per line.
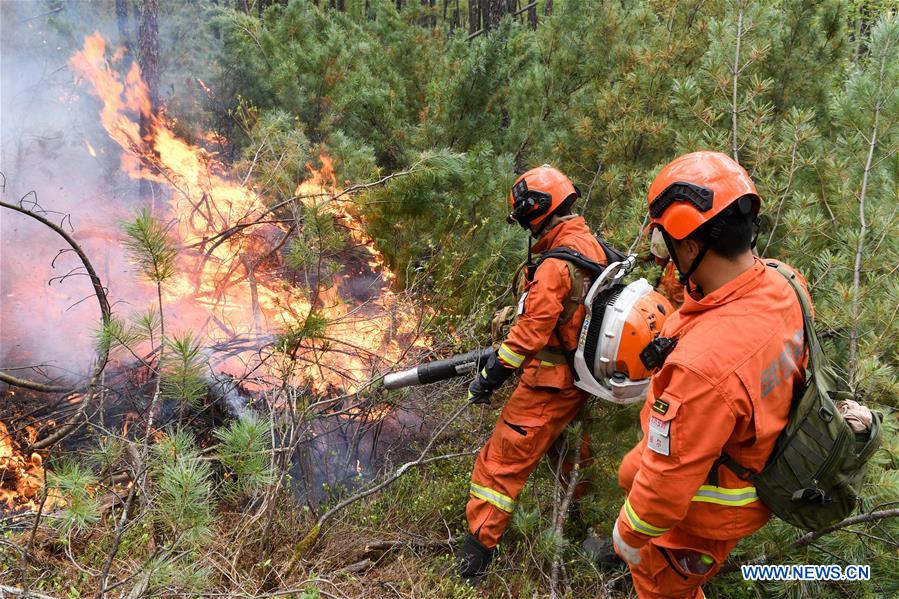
<point x="528" y="205"/>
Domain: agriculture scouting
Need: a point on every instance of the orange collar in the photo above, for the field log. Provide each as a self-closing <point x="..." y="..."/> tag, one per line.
<point x="734" y="289"/>
<point x="572" y="225"/>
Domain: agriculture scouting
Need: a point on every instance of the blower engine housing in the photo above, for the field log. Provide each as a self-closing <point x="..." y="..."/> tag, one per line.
<point x="621" y="320"/>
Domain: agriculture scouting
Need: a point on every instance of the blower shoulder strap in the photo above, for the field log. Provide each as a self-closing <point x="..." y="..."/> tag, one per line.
<point x="577" y="263"/>
<point x="572" y="257"/>
<point x="612" y="255"/>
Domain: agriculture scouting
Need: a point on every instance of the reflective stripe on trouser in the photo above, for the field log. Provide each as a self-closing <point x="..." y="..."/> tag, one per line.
<point x="658" y="578"/>
<point x="503" y="502"/>
<point x="530" y="422"/>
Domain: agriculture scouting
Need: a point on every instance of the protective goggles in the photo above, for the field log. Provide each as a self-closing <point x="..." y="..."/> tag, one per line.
<point x="679" y="191"/>
<point x="527" y="204"/>
<point x="657" y="245"/>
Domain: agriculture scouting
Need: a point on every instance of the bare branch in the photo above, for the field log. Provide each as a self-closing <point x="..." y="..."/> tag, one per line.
<point x="863" y="232"/>
<point x="735" y="72"/>
<point x="105" y="316"/>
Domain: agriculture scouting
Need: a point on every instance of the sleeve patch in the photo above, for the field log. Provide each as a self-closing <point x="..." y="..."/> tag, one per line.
<point x="521" y="301"/>
<point x="665" y="408"/>
<point x="658" y="437"/>
<point x="658" y="442"/>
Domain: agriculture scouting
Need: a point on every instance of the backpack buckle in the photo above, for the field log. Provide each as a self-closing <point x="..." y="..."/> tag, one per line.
<point x="812" y="495"/>
<point x="825" y="413"/>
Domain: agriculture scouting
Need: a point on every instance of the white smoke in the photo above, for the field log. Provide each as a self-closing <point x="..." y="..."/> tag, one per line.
<point x="48" y="128"/>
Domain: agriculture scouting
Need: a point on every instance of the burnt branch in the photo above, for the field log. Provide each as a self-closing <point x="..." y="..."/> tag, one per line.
<point x="15" y="381"/>
<point x="219" y="238"/>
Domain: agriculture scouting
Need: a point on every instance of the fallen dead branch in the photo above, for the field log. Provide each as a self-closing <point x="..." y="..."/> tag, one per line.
<point x="356" y="568"/>
<point x="15" y="381"/>
<point x="17" y="592"/>
<point x="377" y="548"/>
<point x="561" y="515"/>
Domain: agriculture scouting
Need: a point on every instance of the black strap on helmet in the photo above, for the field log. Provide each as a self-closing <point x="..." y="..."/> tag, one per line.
<point x="681" y="191"/>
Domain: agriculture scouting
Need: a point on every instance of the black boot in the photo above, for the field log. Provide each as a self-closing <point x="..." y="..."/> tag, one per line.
<point x="602" y="552"/>
<point x="474" y="560"/>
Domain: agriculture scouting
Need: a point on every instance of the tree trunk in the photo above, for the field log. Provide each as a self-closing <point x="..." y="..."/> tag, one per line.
<point x="548" y="9"/>
<point x="496" y="9"/>
<point x="121" y="15"/>
<point x="474" y="16"/>
<point x="148" y="59"/>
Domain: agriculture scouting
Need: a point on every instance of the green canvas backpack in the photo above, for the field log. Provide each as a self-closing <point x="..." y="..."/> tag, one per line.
<point x="815" y="473"/>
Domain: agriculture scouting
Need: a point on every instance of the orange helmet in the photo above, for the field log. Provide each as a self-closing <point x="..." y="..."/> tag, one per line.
<point x="537" y="194"/>
<point x="695" y="187"/>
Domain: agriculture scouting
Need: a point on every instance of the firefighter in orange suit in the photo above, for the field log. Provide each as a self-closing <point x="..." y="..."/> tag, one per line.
<point x="723" y="391"/>
<point x="546" y="400"/>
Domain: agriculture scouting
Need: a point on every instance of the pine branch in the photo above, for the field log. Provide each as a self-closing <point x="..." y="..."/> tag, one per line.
<point x="151" y="248"/>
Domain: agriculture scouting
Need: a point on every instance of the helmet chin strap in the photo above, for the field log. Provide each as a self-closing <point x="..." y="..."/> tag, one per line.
<point x="684" y="277"/>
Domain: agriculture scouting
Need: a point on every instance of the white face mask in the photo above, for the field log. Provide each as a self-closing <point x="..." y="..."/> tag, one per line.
<point x="657" y="246"/>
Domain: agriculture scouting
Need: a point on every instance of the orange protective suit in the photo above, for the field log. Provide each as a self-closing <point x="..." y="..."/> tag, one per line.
<point x="546" y="400"/>
<point x="726" y="387"/>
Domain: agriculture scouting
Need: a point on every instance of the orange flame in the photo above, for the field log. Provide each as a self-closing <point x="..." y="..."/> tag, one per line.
<point x="226" y="284"/>
<point x="20" y="478"/>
